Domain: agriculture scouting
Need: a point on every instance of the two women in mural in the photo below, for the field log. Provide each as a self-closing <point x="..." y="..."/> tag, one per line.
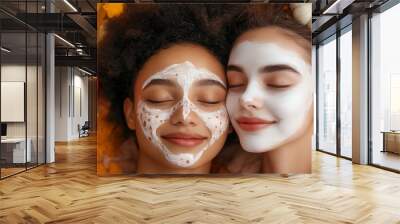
<point x="212" y="88"/>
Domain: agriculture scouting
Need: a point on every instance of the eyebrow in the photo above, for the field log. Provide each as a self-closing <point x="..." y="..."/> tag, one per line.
<point x="234" y="68"/>
<point x="274" y="68"/>
<point x="208" y="82"/>
<point x="165" y="82"/>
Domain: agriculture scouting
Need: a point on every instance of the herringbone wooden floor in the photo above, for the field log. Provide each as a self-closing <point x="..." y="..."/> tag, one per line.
<point x="70" y="192"/>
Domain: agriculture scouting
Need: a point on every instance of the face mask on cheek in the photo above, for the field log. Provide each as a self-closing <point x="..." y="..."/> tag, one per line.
<point x="288" y="107"/>
<point x="152" y="118"/>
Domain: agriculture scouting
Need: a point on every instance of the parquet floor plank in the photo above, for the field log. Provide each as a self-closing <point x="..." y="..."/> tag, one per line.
<point x="69" y="191"/>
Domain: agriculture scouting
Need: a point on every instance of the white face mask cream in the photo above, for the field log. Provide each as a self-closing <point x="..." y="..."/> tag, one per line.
<point x="185" y="74"/>
<point x="288" y="107"/>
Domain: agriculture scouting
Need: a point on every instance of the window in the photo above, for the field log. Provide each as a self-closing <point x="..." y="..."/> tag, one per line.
<point x="346" y="93"/>
<point x="327" y="96"/>
<point x="385" y="89"/>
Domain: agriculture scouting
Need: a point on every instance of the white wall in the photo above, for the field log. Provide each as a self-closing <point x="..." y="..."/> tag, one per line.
<point x="71" y="94"/>
<point x="33" y="127"/>
<point x="80" y="111"/>
<point x="61" y="103"/>
<point x="16" y="72"/>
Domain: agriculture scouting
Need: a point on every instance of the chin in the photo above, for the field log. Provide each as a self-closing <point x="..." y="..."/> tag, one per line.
<point x="249" y="145"/>
<point x="261" y="142"/>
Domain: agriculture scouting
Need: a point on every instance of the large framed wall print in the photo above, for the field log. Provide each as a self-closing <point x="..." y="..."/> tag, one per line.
<point x="204" y="88"/>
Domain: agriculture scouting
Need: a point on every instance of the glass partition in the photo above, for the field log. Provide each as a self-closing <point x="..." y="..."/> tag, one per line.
<point x="31" y="99"/>
<point x="14" y="153"/>
<point x="22" y="77"/>
<point x="41" y="91"/>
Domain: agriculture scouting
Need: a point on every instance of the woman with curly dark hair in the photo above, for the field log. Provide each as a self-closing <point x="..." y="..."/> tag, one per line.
<point x="162" y="69"/>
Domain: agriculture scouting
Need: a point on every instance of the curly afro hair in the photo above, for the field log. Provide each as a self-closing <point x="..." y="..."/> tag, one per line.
<point x="144" y="29"/>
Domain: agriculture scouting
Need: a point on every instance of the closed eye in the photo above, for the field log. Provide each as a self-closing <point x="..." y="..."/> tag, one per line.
<point x="158" y="101"/>
<point x="235" y="86"/>
<point x="279" y="86"/>
<point x="209" y="102"/>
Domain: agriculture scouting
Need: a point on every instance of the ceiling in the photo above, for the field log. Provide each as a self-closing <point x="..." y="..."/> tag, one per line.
<point x="75" y="21"/>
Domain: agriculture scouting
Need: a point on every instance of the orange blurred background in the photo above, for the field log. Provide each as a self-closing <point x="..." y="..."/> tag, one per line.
<point x="115" y="154"/>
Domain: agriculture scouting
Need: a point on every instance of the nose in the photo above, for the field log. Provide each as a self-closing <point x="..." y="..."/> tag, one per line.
<point x="251" y="103"/>
<point x="251" y="98"/>
<point x="183" y="118"/>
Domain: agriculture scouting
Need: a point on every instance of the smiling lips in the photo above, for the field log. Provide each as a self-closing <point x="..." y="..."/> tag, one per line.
<point x="183" y="139"/>
<point x="253" y="124"/>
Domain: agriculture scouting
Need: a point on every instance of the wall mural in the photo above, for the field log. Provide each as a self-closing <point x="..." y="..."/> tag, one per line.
<point x="204" y="88"/>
